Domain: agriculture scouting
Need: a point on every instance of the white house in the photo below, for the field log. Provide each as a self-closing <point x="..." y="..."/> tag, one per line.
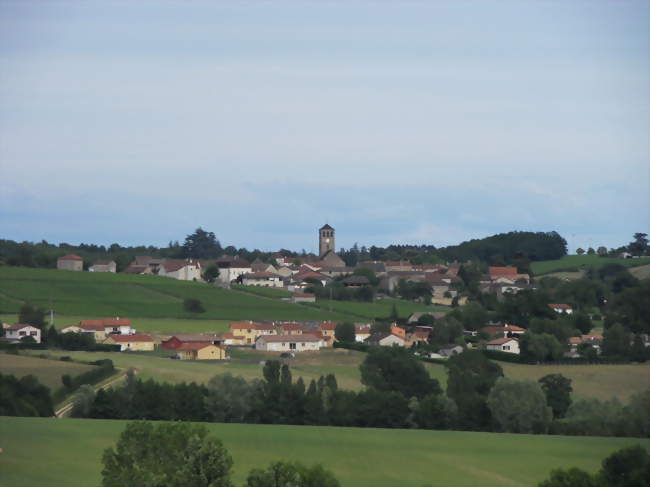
<point x="16" y="333"/>
<point x="385" y="340"/>
<point x="189" y="270"/>
<point x="288" y="343"/>
<point x="263" y="279"/>
<point x="509" y="345"/>
<point x="361" y="332"/>
<point x="231" y="268"/>
<point x="103" y="266"/>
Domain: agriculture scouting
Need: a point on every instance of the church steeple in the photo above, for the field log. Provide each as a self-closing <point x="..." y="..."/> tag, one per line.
<point x="326" y="240"/>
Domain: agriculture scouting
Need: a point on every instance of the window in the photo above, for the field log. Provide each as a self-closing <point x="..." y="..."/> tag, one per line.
<point x="292" y="346"/>
<point x="22" y="333"/>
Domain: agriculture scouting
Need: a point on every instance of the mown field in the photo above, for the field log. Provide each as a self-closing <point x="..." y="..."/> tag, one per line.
<point x="381" y="308"/>
<point x="48" y="372"/>
<point x="580" y="262"/>
<point x="599" y="381"/>
<point x="159" y="326"/>
<point x="344" y="364"/>
<point x="69" y="453"/>
<point x="267" y="292"/>
<point x="104" y="294"/>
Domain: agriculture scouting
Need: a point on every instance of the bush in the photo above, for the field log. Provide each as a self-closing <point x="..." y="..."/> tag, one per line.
<point x="192" y="305"/>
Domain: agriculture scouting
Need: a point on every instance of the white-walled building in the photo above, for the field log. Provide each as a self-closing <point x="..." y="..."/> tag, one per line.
<point x="16" y="333"/>
<point x="508" y="345"/>
<point x="288" y="343"/>
<point x="103" y="266"/>
<point x="231" y="268"/>
<point x="189" y="270"/>
<point x="262" y="279"/>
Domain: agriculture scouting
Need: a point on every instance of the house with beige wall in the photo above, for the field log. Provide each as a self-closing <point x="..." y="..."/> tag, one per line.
<point x="141" y="343"/>
<point x="103" y="266"/>
<point x="201" y="351"/>
<point x="70" y="262"/>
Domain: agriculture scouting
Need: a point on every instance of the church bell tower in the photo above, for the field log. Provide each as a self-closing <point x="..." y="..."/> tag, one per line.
<point x="326" y="240"/>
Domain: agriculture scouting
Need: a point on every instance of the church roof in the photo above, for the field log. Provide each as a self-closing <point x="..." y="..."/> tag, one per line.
<point x="326" y="227"/>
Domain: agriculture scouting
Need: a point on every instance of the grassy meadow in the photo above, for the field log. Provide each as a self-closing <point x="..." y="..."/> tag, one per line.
<point x="381" y="308"/>
<point x="575" y="263"/>
<point x="599" y="381"/>
<point x="105" y="294"/>
<point x="48" y="372"/>
<point x="69" y="453"/>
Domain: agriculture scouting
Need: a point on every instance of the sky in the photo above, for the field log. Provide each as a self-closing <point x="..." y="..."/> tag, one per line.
<point x="405" y="122"/>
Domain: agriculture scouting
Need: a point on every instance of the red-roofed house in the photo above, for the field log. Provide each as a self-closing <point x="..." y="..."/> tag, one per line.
<point x="291" y="328"/>
<point x="503" y="330"/>
<point x="70" y="262"/>
<point x="561" y="308"/>
<point x="131" y="342"/>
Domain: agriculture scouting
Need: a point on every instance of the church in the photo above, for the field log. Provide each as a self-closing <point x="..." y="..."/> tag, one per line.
<point x="326" y="248"/>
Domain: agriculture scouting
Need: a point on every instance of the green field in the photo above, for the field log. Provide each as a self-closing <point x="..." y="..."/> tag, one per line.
<point x="48" y="372"/>
<point x="158" y="326"/>
<point x="244" y="362"/>
<point x="104" y="294"/>
<point x="267" y="292"/>
<point x="582" y="262"/>
<point x="69" y="453"/>
<point x="599" y="381"/>
<point x="381" y="308"/>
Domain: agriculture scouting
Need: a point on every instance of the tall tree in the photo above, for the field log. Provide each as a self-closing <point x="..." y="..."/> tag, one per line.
<point x="519" y="406"/>
<point x="470" y="377"/>
<point x="201" y="245"/>
<point x="169" y="454"/>
<point x="557" y="390"/>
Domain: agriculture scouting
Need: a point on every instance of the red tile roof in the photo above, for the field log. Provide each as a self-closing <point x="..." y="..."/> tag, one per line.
<point x="560" y="306"/>
<point x="70" y="257"/>
<point x="242" y="325"/>
<point x="291" y="326"/>
<point x="131" y="338"/>
<point x="303" y="295"/>
<point x="502" y="271"/>
<point x="327" y="325"/>
<point x="290" y="338"/>
<point x="193" y="345"/>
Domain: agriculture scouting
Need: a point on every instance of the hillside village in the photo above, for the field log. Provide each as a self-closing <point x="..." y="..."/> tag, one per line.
<point x="309" y="278"/>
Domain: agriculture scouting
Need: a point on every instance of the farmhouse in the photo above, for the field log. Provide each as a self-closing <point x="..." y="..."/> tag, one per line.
<point x="361" y="332"/>
<point x="70" y="262"/>
<point x="131" y="342"/>
<point x="288" y="343"/>
<point x="103" y="266"/>
<point x="385" y="340"/>
<point x="509" y="345"/>
<point x="16" y="333"/>
<point x="176" y="341"/>
<point x="262" y="279"/>
<point x="96" y="327"/>
<point x="499" y="330"/>
<point x="232" y="268"/>
<point x="183" y="270"/>
<point x="201" y="351"/>
<point x="248" y="331"/>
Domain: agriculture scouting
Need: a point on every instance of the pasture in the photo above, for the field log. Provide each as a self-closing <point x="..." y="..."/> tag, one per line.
<point x="104" y="294"/>
<point x="69" y="453"/>
<point x="381" y="308"/>
<point x="574" y="263"/>
<point x="48" y="372"/>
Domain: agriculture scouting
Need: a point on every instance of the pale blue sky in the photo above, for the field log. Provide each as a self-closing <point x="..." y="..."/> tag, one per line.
<point x="397" y="122"/>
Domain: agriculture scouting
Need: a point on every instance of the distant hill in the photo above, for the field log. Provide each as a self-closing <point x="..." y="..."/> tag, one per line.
<point x="106" y="294"/>
<point x="572" y="263"/>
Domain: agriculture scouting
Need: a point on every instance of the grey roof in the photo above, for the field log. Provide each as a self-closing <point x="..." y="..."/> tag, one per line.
<point x="326" y="227"/>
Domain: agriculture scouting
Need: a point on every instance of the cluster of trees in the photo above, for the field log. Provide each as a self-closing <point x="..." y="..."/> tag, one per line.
<point x="399" y="394"/>
<point x="176" y="454"/>
<point x="24" y="397"/>
<point x="628" y="467"/>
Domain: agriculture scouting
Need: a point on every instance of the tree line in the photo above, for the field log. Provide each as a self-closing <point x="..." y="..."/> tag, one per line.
<point x="399" y="394"/>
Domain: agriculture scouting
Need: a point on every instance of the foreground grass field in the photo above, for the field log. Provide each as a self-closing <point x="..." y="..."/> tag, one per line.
<point x="48" y="372"/>
<point x="582" y="262"/>
<point x="69" y="453"/>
